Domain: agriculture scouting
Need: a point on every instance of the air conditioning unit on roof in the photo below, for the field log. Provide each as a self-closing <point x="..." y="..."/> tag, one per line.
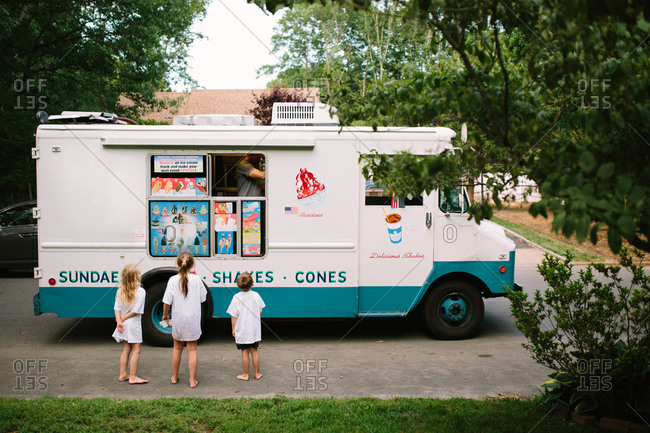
<point x="303" y="114"/>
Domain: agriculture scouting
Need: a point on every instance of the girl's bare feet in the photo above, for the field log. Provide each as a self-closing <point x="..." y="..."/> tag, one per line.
<point x="174" y="380"/>
<point x="123" y="378"/>
<point x="137" y="381"/>
<point x="193" y="385"/>
<point x="258" y="376"/>
<point x="242" y="377"/>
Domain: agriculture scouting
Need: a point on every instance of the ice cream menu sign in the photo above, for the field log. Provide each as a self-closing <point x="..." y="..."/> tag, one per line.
<point x="225" y="227"/>
<point x="251" y="228"/>
<point x="178" y="175"/>
<point x="178" y="164"/>
<point x="178" y="226"/>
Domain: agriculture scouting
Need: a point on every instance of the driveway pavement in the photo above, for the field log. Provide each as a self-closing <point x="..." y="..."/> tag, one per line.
<point x="45" y="355"/>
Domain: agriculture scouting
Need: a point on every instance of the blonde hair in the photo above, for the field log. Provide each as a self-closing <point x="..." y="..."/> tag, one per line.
<point x="185" y="263"/>
<point x="245" y="281"/>
<point x="129" y="283"/>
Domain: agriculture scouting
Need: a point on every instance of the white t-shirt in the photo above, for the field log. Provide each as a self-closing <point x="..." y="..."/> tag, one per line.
<point x="186" y="311"/>
<point x="133" y="326"/>
<point x="247" y="308"/>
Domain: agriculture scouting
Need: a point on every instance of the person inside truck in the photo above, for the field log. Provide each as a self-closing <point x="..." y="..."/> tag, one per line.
<point x="250" y="180"/>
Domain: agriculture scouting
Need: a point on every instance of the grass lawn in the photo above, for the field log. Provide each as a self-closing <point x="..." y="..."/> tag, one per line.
<point x="554" y="245"/>
<point x="281" y="415"/>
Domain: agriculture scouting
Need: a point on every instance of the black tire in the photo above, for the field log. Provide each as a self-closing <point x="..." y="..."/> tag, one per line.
<point x="152" y="332"/>
<point x="453" y="310"/>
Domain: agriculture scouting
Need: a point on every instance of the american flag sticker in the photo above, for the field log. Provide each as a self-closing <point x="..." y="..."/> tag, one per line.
<point x="396" y="202"/>
<point x="291" y="210"/>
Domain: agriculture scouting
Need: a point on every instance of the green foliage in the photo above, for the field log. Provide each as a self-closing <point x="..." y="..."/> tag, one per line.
<point x="595" y="334"/>
<point x="263" y="110"/>
<point x="337" y="46"/>
<point x="554" y="90"/>
<point x="81" y="55"/>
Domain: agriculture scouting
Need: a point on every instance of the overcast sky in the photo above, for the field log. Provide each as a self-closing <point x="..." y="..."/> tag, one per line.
<point x="237" y="42"/>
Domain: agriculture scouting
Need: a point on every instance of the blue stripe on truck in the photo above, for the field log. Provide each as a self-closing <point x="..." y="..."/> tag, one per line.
<point x="295" y="301"/>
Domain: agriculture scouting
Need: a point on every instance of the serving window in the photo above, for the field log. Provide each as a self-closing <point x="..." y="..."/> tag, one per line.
<point x="228" y="174"/>
<point x="195" y="205"/>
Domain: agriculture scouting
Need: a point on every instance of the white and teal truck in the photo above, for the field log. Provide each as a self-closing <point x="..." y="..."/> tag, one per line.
<point x="320" y="240"/>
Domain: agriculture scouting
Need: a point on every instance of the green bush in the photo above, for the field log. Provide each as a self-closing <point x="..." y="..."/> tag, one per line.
<point x="592" y="329"/>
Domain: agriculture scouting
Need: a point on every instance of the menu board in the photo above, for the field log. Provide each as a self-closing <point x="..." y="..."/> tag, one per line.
<point x="251" y="228"/>
<point x="178" y="186"/>
<point x="178" y="176"/>
<point x="172" y="164"/>
<point x="225" y="226"/>
<point x="179" y="226"/>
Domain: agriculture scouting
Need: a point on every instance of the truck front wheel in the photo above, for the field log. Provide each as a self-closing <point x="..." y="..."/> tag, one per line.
<point x="152" y="331"/>
<point x="453" y="310"/>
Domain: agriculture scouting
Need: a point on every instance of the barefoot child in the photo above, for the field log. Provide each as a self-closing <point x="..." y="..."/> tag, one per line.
<point x="185" y="292"/>
<point x="246" y="311"/>
<point x="129" y="306"/>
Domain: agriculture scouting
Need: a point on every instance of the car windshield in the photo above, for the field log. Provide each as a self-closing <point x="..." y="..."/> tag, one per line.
<point x="17" y="216"/>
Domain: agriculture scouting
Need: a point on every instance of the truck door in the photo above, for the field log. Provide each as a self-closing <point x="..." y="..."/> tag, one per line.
<point x="395" y="250"/>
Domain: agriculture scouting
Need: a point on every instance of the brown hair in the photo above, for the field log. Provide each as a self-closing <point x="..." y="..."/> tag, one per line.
<point x="245" y="282"/>
<point x="129" y="283"/>
<point x="185" y="263"/>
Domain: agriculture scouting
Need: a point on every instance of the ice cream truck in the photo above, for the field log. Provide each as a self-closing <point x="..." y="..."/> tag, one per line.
<point x="320" y="240"/>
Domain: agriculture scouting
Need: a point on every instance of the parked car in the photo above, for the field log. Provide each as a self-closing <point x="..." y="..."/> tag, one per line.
<point x="18" y="236"/>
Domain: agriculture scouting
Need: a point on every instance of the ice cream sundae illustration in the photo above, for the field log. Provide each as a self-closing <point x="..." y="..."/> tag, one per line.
<point x="200" y="185"/>
<point x="309" y="190"/>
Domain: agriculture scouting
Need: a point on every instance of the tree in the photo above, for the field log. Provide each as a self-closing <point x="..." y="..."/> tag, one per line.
<point x="330" y="46"/>
<point x="556" y="90"/>
<point x="263" y="110"/>
<point x="83" y="55"/>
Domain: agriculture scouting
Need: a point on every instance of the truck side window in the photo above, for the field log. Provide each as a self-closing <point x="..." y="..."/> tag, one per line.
<point x="239" y="204"/>
<point x="375" y="196"/>
<point x="454" y="200"/>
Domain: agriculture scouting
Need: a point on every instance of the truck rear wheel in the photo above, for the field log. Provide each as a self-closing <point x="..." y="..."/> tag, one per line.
<point x="453" y="310"/>
<point x="153" y="333"/>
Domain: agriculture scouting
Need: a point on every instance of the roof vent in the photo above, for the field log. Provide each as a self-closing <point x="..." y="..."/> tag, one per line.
<point x="303" y="114"/>
<point x="214" y="120"/>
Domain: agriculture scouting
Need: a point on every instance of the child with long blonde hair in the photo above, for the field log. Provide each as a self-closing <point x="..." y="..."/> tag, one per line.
<point x="129" y="307"/>
<point x="185" y="292"/>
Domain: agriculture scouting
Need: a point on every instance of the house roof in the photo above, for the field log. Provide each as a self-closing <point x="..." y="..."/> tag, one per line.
<point x="204" y="101"/>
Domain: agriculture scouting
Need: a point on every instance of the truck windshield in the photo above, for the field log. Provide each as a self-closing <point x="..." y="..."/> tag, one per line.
<point x="453" y="200"/>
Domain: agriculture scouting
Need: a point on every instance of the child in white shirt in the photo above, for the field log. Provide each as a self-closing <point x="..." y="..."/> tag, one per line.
<point x="246" y="312"/>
